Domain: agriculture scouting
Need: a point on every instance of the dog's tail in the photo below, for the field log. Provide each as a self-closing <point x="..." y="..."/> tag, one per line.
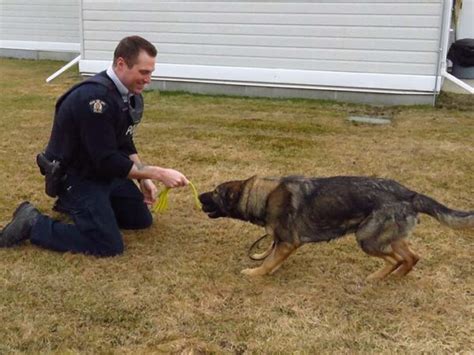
<point x="452" y="218"/>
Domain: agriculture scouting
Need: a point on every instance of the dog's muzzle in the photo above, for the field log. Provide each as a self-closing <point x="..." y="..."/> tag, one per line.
<point x="209" y="206"/>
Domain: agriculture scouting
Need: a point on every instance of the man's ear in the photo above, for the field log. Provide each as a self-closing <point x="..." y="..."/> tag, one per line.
<point x="120" y="64"/>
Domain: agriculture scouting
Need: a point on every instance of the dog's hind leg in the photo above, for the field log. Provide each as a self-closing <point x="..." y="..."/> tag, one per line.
<point x="392" y="262"/>
<point x="409" y="257"/>
<point x="370" y="236"/>
<point x="279" y="253"/>
<point x="382" y="235"/>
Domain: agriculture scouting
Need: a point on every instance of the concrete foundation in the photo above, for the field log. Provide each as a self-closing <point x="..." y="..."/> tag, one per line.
<point x="37" y="54"/>
<point x="320" y="94"/>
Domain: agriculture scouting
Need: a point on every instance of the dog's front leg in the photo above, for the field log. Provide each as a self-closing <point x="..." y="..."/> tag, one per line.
<point x="280" y="252"/>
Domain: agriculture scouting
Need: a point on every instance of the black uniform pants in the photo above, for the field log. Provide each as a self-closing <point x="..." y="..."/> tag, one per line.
<point x="99" y="210"/>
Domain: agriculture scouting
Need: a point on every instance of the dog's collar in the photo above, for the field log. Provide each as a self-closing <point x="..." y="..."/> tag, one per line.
<point x="248" y="206"/>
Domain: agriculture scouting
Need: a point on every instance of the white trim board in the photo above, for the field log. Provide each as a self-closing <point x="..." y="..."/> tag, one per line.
<point x="41" y="46"/>
<point x="280" y="77"/>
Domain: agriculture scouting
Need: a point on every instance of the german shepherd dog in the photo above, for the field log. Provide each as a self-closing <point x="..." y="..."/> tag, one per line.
<point x="296" y="210"/>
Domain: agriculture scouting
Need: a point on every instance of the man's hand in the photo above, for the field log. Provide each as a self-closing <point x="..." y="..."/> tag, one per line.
<point x="149" y="191"/>
<point x="173" y="178"/>
<point x="169" y="177"/>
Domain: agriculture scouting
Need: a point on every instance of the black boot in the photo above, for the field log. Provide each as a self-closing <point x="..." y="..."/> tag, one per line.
<point x="19" y="228"/>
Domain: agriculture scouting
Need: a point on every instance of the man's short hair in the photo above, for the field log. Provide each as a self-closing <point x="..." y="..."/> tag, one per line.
<point x="130" y="47"/>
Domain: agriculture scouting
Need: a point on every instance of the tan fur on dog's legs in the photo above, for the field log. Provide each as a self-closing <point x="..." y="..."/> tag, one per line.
<point x="279" y="253"/>
<point x="414" y="254"/>
<point x="392" y="261"/>
<point x="409" y="257"/>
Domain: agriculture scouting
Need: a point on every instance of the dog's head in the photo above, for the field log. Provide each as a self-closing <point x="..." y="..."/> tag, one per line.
<point x="223" y="201"/>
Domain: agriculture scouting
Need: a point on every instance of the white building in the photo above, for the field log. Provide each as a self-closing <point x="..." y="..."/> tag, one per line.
<point x="376" y="51"/>
<point x="40" y="29"/>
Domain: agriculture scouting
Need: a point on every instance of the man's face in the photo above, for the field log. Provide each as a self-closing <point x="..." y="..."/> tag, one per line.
<point x="139" y="75"/>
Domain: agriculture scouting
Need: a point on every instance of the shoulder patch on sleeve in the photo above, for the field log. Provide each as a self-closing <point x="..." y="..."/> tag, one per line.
<point x="98" y="106"/>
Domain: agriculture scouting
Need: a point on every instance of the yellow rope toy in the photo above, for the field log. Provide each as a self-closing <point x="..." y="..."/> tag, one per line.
<point x="162" y="204"/>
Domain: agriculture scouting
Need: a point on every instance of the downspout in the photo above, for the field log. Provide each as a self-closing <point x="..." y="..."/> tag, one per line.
<point x="458" y="82"/>
<point x="63" y="69"/>
<point x="444" y="38"/>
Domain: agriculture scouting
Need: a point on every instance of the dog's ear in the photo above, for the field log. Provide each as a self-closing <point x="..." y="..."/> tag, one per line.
<point x="233" y="190"/>
<point x="253" y="177"/>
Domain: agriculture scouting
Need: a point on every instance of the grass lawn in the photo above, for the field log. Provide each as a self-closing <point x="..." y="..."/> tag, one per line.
<point x="178" y="287"/>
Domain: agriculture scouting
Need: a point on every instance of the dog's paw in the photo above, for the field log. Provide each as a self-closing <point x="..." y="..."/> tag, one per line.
<point x="253" y="272"/>
<point x="375" y="277"/>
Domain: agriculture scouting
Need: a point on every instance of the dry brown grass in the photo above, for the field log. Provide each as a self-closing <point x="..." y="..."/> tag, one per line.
<point x="178" y="288"/>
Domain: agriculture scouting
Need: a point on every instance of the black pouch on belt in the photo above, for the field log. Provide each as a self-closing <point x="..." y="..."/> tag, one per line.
<point x="53" y="173"/>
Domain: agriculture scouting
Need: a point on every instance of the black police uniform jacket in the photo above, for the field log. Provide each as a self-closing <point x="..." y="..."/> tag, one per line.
<point x="92" y="134"/>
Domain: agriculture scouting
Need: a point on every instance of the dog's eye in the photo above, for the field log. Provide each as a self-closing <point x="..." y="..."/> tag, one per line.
<point x="231" y="195"/>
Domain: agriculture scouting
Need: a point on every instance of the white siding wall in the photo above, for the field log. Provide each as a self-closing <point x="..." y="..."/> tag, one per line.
<point x="40" y="24"/>
<point x="385" y="44"/>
